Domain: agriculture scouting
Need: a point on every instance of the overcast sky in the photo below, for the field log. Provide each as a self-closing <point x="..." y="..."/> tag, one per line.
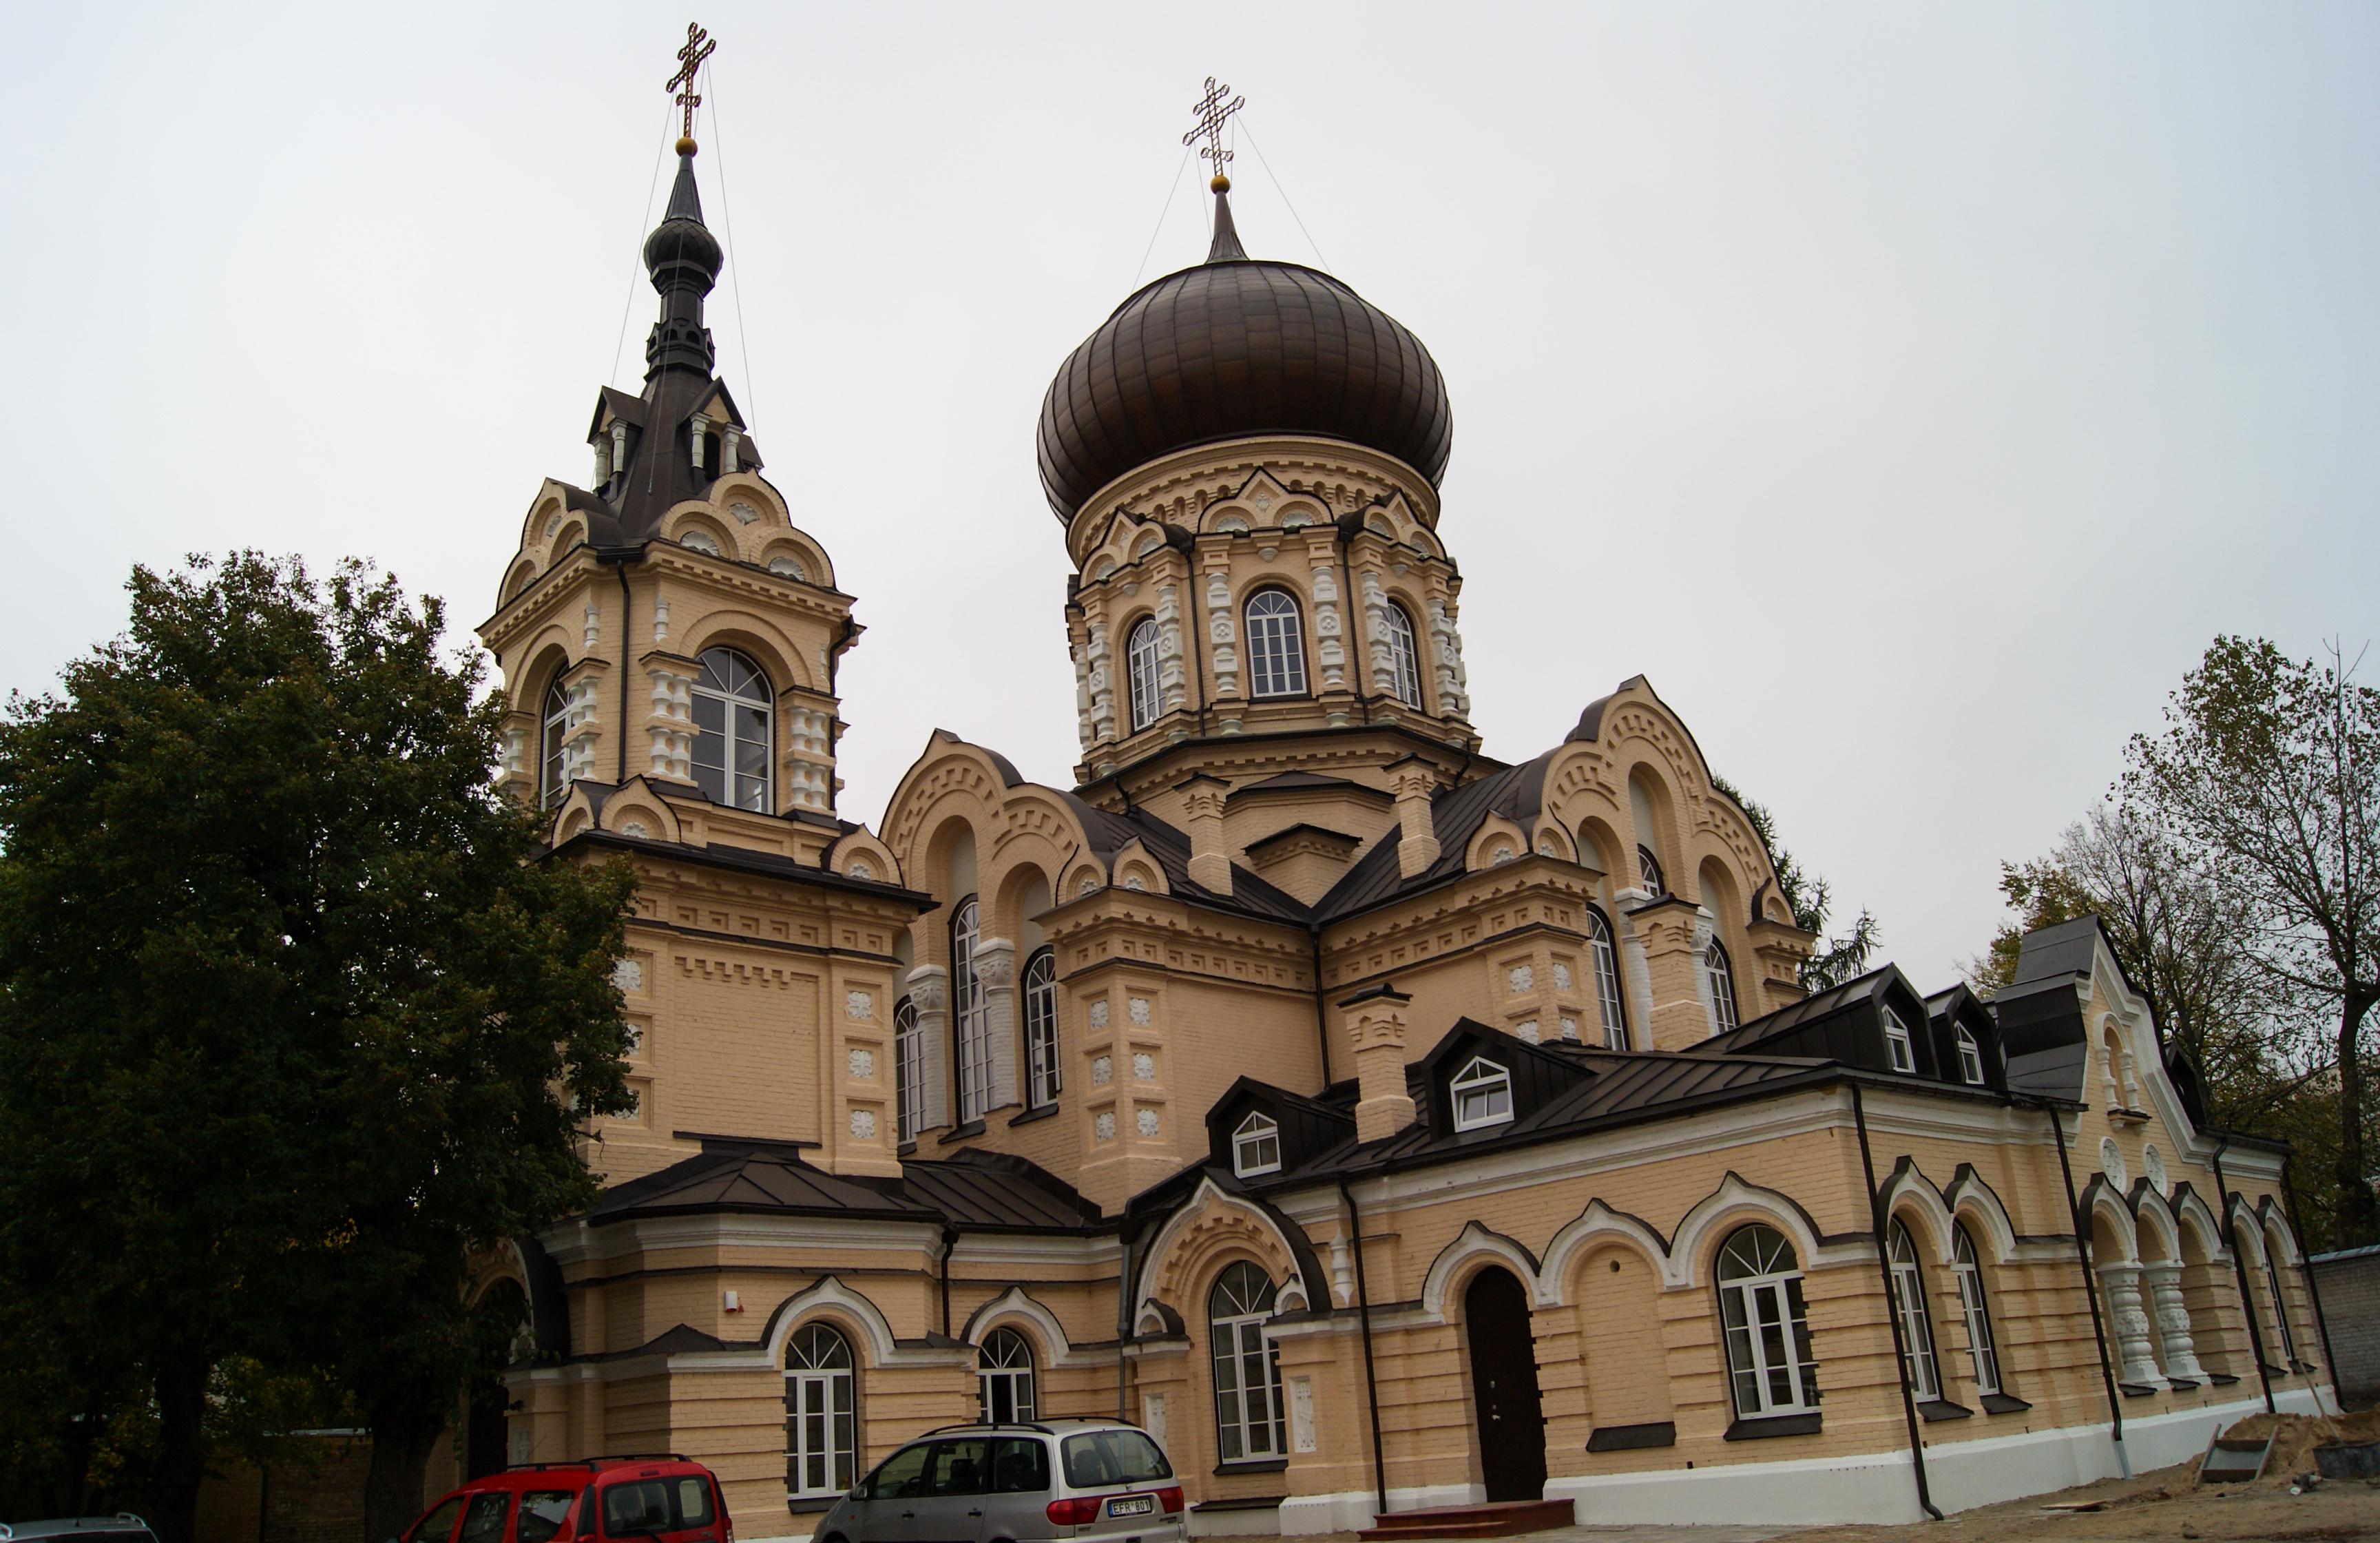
<point x="1910" y="390"/>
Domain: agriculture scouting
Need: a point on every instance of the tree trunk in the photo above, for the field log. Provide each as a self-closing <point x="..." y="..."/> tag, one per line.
<point x="400" y="1460"/>
<point x="181" y="1449"/>
<point x="2358" y="1219"/>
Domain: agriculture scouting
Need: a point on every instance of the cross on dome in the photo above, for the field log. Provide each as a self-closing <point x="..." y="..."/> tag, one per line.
<point x="697" y="48"/>
<point x="1213" y="109"/>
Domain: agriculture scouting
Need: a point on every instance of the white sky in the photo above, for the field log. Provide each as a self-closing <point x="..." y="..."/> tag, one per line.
<point x="1910" y="391"/>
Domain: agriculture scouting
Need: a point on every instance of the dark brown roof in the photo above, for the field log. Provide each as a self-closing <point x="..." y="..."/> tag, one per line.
<point x="973" y="1191"/>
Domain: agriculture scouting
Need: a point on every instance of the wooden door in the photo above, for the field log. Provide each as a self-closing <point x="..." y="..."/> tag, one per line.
<point x="1510" y="1422"/>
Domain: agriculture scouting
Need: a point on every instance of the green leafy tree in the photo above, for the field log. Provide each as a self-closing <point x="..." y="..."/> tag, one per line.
<point x="292" y="1013"/>
<point x="1841" y="957"/>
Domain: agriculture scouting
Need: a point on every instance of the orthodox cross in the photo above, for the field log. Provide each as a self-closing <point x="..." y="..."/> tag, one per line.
<point x="1212" y="109"/>
<point x="697" y="48"/>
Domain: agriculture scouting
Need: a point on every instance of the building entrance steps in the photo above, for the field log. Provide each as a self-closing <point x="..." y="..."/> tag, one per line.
<point x="1496" y="1519"/>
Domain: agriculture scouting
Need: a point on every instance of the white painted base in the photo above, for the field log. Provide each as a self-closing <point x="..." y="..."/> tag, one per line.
<point x="1351" y="1510"/>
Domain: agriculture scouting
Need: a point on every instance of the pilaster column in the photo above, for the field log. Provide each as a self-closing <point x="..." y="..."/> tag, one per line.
<point x="1376" y="1028"/>
<point x="2137" y="1361"/>
<point x="1222" y="636"/>
<point x="1083" y="695"/>
<point x="698" y="431"/>
<point x="929" y="993"/>
<point x="1169" y="648"/>
<point x="1375" y="634"/>
<point x="1101" y="681"/>
<point x="731" y="444"/>
<point x="669" y="730"/>
<point x="808" y="769"/>
<point x="1446" y="656"/>
<point x="1667" y="937"/>
<point x="995" y="973"/>
<point x="1330" y="631"/>
<point x="2172" y="1321"/>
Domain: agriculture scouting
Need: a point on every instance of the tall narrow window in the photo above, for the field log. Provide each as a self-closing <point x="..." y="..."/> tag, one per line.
<point x="1248" y="1369"/>
<point x="909" y="1070"/>
<point x="1916" y="1325"/>
<point x="731" y="729"/>
<point x="970" y="1013"/>
<point x="554" y="786"/>
<point x="1607" y="979"/>
<point x="1042" y="1030"/>
<point x="822" y="1410"/>
<point x="1899" y="1049"/>
<point x="2287" y="1343"/>
<point x="1648" y="873"/>
<point x="1971" y="1058"/>
<point x="1769" y="1360"/>
<point x="1404" y="657"/>
<point x="1722" y="986"/>
<point x="1980" y="1344"/>
<point x="1140" y="674"/>
<point x="1275" y="646"/>
<point x="1256" y="1147"/>
<point x="1004" y="1378"/>
<point x="1481" y="1093"/>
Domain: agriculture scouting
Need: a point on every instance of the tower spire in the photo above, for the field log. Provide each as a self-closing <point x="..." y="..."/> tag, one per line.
<point x="1213" y="108"/>
<point x="681" y="255"/>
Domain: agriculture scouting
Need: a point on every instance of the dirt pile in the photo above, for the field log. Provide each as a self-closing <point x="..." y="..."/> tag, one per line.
<point x="2296" y="1435"/>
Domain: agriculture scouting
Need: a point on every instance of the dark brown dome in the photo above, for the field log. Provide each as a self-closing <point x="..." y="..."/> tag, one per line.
<point x="1232" y="349"/>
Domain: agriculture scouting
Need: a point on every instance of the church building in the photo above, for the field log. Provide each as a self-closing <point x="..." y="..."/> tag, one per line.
<point x="1382" y="1123"/>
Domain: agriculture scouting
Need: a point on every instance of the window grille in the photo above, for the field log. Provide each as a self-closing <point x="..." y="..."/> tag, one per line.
<point x="1404" y="658"/>
<point x="1275" y="646"/>
<point x="1140" y="674"/>
<point x="1607" y="979"/>
<point x="1648" y="873"/>
<point x="554" y="786"/>
<point x="1898" y="1048"/>
<point x="1970" y="1057"/>
<point x="1042" y="1030"/>
<point x="1248" y="1369"/>
<point x="1005" y="1377"/>
<point x="821" y="1424"/>
<point x="1722" y="986"/>
<point x="1969" y="1272"/>
<point x="1256" y="1147"/>
<point x="732" y="707"/>
<point x="909" y="1070"/>
<point x="1917" y="1324"/>
<point x="1483" y="1095"/>
<point x="970" y="1014"/>
<point x="1768" y="1359"/>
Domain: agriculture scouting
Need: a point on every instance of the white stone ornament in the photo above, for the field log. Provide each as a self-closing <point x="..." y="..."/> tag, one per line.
<point x="1104" y="1126"/>
<point x="1144" y="1067"/>
<point x="634" y="828"/>
<point x="1520" y="979"/>
<point x="1146" y="1122"/>
<point x="2152" y="1164"/>
<point x="628" y="975"/>
<point x="1139" y="1010"/>
<point x="1570" y="1028"/>
<point x="1098" y="1014"/>
<point x="863" y="1124"/>
<point x="1561" y="976"/>
<point x="1528" y="1031"/>
<point x="743" y="511"/>
<point x="862" y="868"/>
<point x="1102" y="1070"/>
<point x="859" y="1006"/>
<point x="863" y="1064"/>
<point x="2111" y="1162"/>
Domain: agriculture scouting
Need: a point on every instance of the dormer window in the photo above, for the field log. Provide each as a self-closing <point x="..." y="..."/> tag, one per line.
<point x="1256" y="1147"/>
<point x="1483" y="1095"/>
<point x="1898" y="1047"/>
<point x="1971" y="1058"/>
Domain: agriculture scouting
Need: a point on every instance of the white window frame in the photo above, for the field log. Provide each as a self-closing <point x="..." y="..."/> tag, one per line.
<point x="1967" y="1270"/>
<point x="1721" y="976"/>
<point x="1404" y="656"/>
<point x="1970" y="1056"/>
<point x="908" y="1071"/>
<point x="1605" y="953"/>
<point x="2288" y="1341"/>
<point x="1040" y="993"/>
<point x="1276" y="643"/>
<point x="1004" y="1364"/>
<point x="1256" y="1145"/>
<point x="1764" y="1325"/>
<point x="970" y="1013"/>
<point x="1648" y="872"/>
<point x="1918" y="1362"/>
<point x="1481" y="1079"/>
<point x="1148" y="700"/>
<point x="1248" y="1417"/>
<point x="551" y="755"/>
<point x="737" y="789"/>
<point x="1900" y="1049"/>
<point x="821" y="1413"/>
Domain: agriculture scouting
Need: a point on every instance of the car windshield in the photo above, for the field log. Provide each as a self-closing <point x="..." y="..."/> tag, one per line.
<point x="1098" y="1457"/>
<point x="649" y="1505"/>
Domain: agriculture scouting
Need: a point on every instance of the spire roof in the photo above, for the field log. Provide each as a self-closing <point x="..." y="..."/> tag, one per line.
<point x="1225" y="248"/>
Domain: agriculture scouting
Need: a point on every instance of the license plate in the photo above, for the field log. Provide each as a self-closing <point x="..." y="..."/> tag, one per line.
<point x="1132" y="1505"/>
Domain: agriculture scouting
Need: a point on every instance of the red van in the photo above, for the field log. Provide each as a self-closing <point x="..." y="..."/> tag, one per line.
<point x="662" y="1498"/>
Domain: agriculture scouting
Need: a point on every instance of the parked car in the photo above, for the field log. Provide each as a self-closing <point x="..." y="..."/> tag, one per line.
<point x="122" y="1528"/>
<point x="666" y="1498"/>
<point x="1087" y="1480"/>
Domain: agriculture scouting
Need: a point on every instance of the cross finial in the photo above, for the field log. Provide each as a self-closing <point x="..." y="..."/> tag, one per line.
<point x="1212" y="108"/>
<point x="689" y="60"/>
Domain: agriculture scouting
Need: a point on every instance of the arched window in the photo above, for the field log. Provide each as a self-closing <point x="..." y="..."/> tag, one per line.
<point x="1722" y="986"/>
<point x="1769" y="1360"/>
<point x="1917" y="1324"/>
<point x="1275" y="646"/>
<point x="553" y="785"/>
<point x="1607" y="979"/>
<point x="1648" y="872"/>
<point x="1042" y="1030"/>
<point x="1256" y="1147"/>
<point x="1966" y="1267"/>
<point x="1970" y="1057"/>
<point x="1248" y="1368"/>
<point x="909" y="1070"/>
<point x="970" y="1013"/>
<point x="1404" y="658"/>
<point x="1140" y="674"/>
<point x="1482" y="1092"/>
<point x="1899" y="1049"/>
<point x="731" y="729"/>
<point x="821" y="1413"/>
<point x="1005" y="1377"/>
<point x="2286" y="1344"/>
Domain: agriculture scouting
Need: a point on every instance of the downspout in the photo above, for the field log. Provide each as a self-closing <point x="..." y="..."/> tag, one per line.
<point x="1321" y="1006"/>
<point x="2240" y="1269"/>
<point x="2090" y="1284"/>
<point x="1371" y="1377"/>
<point x="1123" y="1320"/>
<point x="623" y="571"/>
<point x="2313" y="1291"/>
<point x="1876" y="1221"/>
<point x="950" y="1241"/>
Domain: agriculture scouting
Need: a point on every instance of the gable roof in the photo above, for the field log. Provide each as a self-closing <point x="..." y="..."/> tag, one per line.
<point x="974" y="1191"/>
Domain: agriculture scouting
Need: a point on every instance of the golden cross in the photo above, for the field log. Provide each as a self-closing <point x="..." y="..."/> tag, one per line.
<point x="697" y="48"/>
<point x="1212" y="109"/>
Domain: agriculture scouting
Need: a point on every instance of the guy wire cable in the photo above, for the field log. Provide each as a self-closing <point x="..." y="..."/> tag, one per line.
<point x="1240" y="122"/>
<point x="734" y="269"/>
<point x="1172" y="190"/>
<point x="636" y="269"/>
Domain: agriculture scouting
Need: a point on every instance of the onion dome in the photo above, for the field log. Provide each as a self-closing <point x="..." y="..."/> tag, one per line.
<point x="682" y="259"/>
<point x="1232" y="348"/>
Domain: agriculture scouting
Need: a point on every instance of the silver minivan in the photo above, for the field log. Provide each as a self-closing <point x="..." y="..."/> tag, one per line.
<point x="1099" y="1480"/>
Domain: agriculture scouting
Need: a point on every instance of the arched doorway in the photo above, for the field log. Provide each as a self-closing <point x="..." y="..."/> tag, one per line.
<point x="1504" y="1401"/>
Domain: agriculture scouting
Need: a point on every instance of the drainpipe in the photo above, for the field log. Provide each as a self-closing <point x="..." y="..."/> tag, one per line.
<point x="623" y="571"/>
<point x="1124" y="1318"/>
<point x="1876" y="1221"/>
<point x="2090" y="1284"/>
<point x="1371" y="1379"/>
<point x="950" y="1241"/>
<point x="2240" y="1269"/>
<point x="2313" y="1291"/>
<point x="1321" y="1006"/>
